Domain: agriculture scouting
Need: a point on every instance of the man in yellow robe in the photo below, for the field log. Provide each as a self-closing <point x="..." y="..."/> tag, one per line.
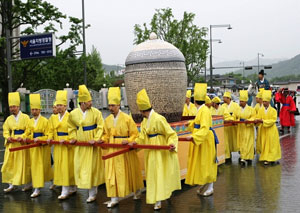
<point x="218" y="109"/>
<point x="16" y="165"/>
<point x="259" y="103"/>
<point x="40" y="157"/>
<point x="202" y="161"/>
<point x="50" y="121"/>
<point x="123" y="174"/>
<point x="245" y="131"/>
<point x="230" y="132"/>
<point x="85" y="124"/>
<point x="162" y="166"/>
<point x="257" y="107"/>
<point x="268" y="133"/>
<point x="189" y="108"/>
<point x="208" y="103"/>
<point x="63" y="154"/>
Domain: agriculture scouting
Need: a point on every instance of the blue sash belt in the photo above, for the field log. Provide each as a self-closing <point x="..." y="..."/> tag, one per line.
<point x="153" y="135"/>
<point x="197" y="126"/>
<point x="242" y="119"/>
<point x="37" y="134"/>
<point x="87" y="128"/>
<point x="286" y="105"/>
<point x="18" y="132"/>
<point x="121" y="137"/>
<point x="62" y="133"/>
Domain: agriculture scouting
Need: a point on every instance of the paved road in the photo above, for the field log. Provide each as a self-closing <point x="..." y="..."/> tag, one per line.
<point x="255" y="188"/>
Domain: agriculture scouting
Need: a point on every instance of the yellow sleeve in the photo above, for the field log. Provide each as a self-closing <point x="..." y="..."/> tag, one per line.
<point x="6" y="131"/>
<point x="142" y="135"/>
<point x="165" y="129"/>
<point x="271" y="120"/>
<point x="46" y="130"/>
<point x="184" y="113"/>
<point x="200" y="135"/>
<point x="26" y="124"/>
<point x="50" y="128"/>
<point x="133" y="131"/>
<point x="105" y="135"/>
<point x="100" y="126"/>
<point x="226" y="114"/>
<point x="191" y="125"/>
<point x="72" y="128"/>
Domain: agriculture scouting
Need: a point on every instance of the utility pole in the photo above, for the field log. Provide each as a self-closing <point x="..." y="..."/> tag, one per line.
<point x="83" y="42"/>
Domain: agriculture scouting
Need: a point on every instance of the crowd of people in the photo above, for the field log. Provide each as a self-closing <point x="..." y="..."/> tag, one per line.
<point x="82" y="166"/>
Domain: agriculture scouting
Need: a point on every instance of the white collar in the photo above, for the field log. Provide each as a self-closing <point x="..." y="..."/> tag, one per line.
<point x="262" y="80"/>
<point x="150" y="114"/>
<point x="243" y="109"/>
<point x="116" y="118"/>
<point x="37" y="119"/>
<point x="60" y="118"/>
<point x="17" y="116"/>
<point x="266" y="110"/>
<point x="83" y="113"/>
<point x="228" y="105"/>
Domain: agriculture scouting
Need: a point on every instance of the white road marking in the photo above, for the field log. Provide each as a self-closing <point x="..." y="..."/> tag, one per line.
<point x="283" y="136"/>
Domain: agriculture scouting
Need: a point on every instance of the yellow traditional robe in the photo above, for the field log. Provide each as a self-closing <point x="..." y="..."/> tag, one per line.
<point x="258" y="145"/>
<point x="245" y="134"/>
<point x="88" y="163"/>
<point x="123" y="174"/>
<point x="202" y="166"/>
<point x="16" y="165"/>
<point x="63" y="155"/>
<point x="268" y="135"/>
<point x="40" y="157"/>
<point x="230" y="132"/>
<point x="162" y="166"/>
<point x="221" y="111"/>
<point x="257" y="107"/>
<point x="189" y="111"/>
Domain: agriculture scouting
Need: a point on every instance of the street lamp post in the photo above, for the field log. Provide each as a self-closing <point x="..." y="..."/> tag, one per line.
<point x="83" y="44"/>
<point x="210" y="41"/>
<point x="210" y="56"/>
<point x="259" y="54"/>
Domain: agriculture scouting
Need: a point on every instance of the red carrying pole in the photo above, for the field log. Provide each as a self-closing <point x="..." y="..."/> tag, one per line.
<point x="185" y="139"/>
<point x="24" y="147"/>
<point x="114" y="154"/>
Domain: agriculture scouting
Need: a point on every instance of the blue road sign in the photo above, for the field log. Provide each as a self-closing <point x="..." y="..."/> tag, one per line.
<point x="37" y="46"/>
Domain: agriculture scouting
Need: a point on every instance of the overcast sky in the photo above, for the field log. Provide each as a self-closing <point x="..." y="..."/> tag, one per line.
<point x="271" y="27"/>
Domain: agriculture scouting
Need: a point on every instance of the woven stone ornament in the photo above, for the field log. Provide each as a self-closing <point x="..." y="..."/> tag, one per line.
<point x="159" y="67"/>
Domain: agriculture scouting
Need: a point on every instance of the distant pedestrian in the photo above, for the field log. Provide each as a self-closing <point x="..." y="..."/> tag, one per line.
<point x="262" y="82"/>
<point x="286" y="115"/>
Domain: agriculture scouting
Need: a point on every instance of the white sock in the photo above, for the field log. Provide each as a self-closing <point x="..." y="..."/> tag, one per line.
<point x="65" y="190"/>
<point x="210" y="187"/>
<point x="114" y="199"/>
<point x="10" y="186"/>
<point x="93" y="191"/>
<point x="36" y="190"/>
<point x="158" y="203"/>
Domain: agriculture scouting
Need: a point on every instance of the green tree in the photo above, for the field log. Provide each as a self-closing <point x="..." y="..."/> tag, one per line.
<point x="32" y="16"/>
<point x="183" y="34"/>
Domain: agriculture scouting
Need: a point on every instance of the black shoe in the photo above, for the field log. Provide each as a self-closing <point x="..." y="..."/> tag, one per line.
<point x="249" y="162"/>
<point x="243" y="162"/>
